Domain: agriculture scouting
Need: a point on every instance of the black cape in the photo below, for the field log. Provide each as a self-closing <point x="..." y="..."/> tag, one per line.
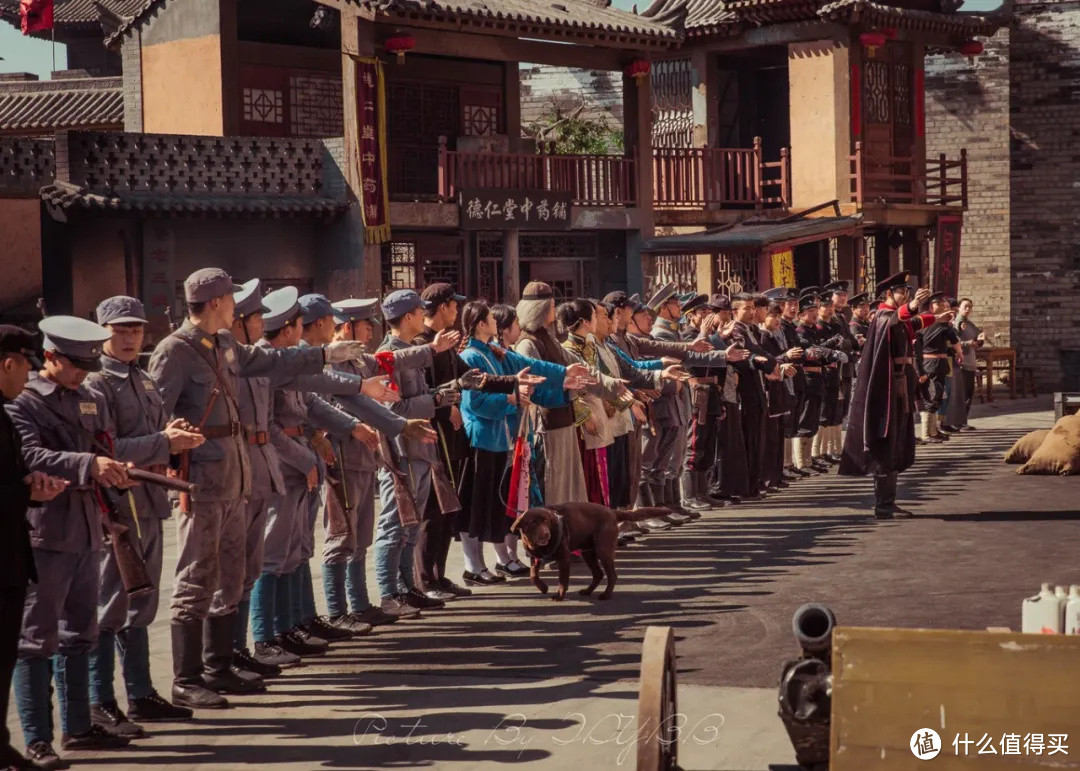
<point x="881" y="423"/>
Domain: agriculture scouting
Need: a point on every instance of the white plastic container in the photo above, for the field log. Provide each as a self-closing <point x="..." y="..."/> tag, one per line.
<point x="1072" y="611"/>
<point x="1044" y="613"/>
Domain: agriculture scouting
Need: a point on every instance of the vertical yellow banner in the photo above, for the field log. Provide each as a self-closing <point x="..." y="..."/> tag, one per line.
<point x="783" y="268"/>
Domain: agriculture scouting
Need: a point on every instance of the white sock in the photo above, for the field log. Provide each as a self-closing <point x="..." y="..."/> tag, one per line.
<point x="474" y="554"/>
<point x="511" y="542"/>
<point x="503" y="553"/>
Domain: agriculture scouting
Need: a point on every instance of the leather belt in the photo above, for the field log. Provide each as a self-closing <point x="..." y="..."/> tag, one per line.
<point x="293" y="431"/>
<point x="903" y="360"/>
<point x="811" y="369"/>
<point x="223" y="432"/>
<point x="258" y="438"/>
<point x="558" y="417"/>
<point x="704" y="381"/>
<point x="935" y="356"/>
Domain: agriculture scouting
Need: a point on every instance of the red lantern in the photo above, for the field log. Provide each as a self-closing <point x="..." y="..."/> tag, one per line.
<point x="971" y="48"/>
<point x="889" y="32"/>
<point x="400" y="45"/>
<point x="639" y="69"/>
<point x="872" y="41"/>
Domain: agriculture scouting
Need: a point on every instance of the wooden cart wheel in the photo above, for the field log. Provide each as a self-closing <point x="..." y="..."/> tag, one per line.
<point x="658" y="729"/>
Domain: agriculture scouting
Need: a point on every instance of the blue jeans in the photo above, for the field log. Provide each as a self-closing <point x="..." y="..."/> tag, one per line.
<point x="394" y="543"/>
<point x="133" y="647"/>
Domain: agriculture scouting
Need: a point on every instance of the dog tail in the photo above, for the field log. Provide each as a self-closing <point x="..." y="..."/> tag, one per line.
<point x="638" y="515"/>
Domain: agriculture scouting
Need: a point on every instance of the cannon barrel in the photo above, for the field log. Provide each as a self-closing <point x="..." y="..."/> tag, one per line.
<point x="813" y="626"/>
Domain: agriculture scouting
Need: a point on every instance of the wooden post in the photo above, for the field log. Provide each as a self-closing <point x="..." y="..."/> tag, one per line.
<point x="785" y="178"/>
<point x="637" y="130"/>
<point x="757" y="171"/>
<point x="444" y="172"/>
<point x="858" y="174"/>
<point x="963" y="178"/>
<point x="511" y="289"/>
<point x="943" y="175"/>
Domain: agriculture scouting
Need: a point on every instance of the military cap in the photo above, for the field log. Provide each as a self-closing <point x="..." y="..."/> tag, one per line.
<point x="78" y="340"/>
<point x="937" y="297"/>
<point x="807" y="302"/>
<point x="282" y="306"/>
<point x="120" y="310"/>
<point x="836" y="286"/>
<point x="781" y="294"/>
<point x="661" y="296"/>
<point x="17" y="340"/>
<point x="249" y="299"/>
<point x="402" y="301"/>
<point x="826" y="296"/>
<point x="859" y="299"/>
<point x="693" y="302"/>
<point x="720" y="302"/>
<point x="893" y="282"/>
<point x="354" y="310"/>
<point x="440" y="293"/>
<point x="208" y="284"/>
<point x="810" y="290"/>
<point x="619" y="299"/>
<point x="315" y="307"/>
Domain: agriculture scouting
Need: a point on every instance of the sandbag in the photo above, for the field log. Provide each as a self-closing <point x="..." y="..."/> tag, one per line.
<point x="1026" y="446"/>
<point x="1059" y="452"/>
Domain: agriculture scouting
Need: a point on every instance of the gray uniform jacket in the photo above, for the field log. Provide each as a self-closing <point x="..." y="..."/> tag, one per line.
<point x="221" y="468"/>
<point x="71" y="522"/>
<point x="138" y="424"/>
<point x="416" y="402"/>
<point x="354" y="454"/>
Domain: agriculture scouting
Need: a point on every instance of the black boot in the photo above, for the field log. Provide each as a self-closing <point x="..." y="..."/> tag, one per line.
<point x="684" y="492"/>
<point x="219" y="674"/>
<point x="645" y="497"/>
<point x="885" y="497"/>
<point x="667" y="495"/>
<point x="188" y="689"/>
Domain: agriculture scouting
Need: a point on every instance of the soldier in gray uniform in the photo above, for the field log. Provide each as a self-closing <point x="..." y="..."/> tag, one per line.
<point x="142" y="435"/>
<point x="196" y="369"/>
<point x="60" y="421"/>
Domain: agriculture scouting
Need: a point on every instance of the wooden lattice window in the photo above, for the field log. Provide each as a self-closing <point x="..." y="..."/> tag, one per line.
<point x="480" y="112"/>
<point x="679" y="269"/>
<point x="441" y="270"/>
<point x="868" y="265"/>
<point x="877" y="92"/>
<point x="672" y="103"/>
<point x="399" y="266"/>
<point x="736" y="272"/>
<point x="834" y="259"/>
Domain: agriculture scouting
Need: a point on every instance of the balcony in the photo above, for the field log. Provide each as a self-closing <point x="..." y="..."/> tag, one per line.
<point x="911" y="181"/>
<point x="592" y="180"/>
<point x="720" y="177"/>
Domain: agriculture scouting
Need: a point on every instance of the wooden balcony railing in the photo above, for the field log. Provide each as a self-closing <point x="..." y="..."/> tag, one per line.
<point x="931" y="182"/>
<point x="592" y="180"/>
<point x="697" y="177"/>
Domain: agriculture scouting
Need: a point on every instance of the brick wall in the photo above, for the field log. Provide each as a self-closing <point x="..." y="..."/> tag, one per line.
<point x="1045" y="163"/>
<point x="967" y="106"/>
<point x="131" y="54"/>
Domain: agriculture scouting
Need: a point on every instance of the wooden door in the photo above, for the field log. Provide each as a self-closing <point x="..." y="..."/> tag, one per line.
<point x="888" y="136"/>
<point x="419" y="113"/>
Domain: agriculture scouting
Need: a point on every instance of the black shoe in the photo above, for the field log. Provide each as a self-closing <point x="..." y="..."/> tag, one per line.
<point x="625" y="540"/>
<point x="110" y="717"/>
<point x="395" y="607"/>
<point x="449" y="586"/>
<point x="944" y="436"/>
<point x="350" y="623"/>
<point x="935" y="439"/>
<point x="13" y="760"/>
<point x="234" y="680"/>
<point x="272" y="654"/>
<point x="246" y="661"/>
<point x="966" y="427"/>
<point x="883" y="513"/>
<point x="197" y="696"/>
<point x="433" y="592"/>
<point x="374" y="616"/>
<point x="919" y="440"/>
<point x="513" y="572"/>
<point x="950" y="429"/>
<point x="481" y="579"/>
<point x="318" y="627"/>
<point x="153" y="708"/>
<point x="42" y="755"/>
<point x="97" y="738"/>
<point x="900" y="513"/>
<point x="415" y="599"/>
<point x="299" y="642"/>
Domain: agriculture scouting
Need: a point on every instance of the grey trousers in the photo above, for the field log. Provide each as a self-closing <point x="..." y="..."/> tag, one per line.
<point x="360" y="517"/>
<point x="210" y="558"/>
<point x="115" y="610"/>
<point x="657" y="453"/>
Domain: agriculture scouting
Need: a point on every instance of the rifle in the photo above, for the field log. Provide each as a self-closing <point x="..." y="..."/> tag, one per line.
<point x="406" y="503"/>
<point x="445" y="493"/>
<point x="134" y="573"/>
<point x="337" y="505"/>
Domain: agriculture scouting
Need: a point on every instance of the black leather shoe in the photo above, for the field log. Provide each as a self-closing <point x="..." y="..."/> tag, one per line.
<point x="318" y="627"/>
<point x="350" y="623"/>
<point x="415" y="599"/>
<point x="197" y="696"/>
<point x="900" y="513"/>
<point x="449" y="586"/>
<point x="272" y="654"/>
<point x="109" y="716"/>
<point x="395" y="607"/>
<point x="233" y="680"/>
<point x="520" y="571"/>
<point x="300" y="643"/>
<point x="481" y="579"/>
<point x="97" y="738"/>
<point x="42" y="755"/>
<point x="374" y="616"/>
<point x="153" y="708"/>
<point x="244" y="660"/>
<point x="433" y="592"/>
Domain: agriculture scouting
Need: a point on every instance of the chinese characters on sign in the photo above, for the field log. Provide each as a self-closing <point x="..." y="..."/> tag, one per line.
<point x="371" y="103"/>
<point x="947" y="255"/>
<point x="514" y="209"/>
<point x="783" y="268"/>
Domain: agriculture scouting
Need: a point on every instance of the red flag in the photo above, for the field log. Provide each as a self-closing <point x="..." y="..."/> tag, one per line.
<point x="37" y="15"/>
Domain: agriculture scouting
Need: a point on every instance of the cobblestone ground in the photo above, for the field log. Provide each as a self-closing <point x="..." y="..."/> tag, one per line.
<point x="510" y="678"/>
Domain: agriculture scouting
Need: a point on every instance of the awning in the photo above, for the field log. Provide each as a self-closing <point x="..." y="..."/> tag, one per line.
<point x="755" y="236"/>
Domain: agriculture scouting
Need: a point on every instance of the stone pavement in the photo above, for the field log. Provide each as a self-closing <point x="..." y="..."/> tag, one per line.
<point x="511" y="678"/>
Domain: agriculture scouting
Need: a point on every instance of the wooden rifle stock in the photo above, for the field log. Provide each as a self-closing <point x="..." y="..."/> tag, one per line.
<point x="129" y="561"/>
<point x="169" y="483"/>
<point x="445" y="494"/>
<point x="406" y="503"/>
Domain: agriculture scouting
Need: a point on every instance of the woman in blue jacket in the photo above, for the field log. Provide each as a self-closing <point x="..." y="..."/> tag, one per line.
<point x="491" y="423"/>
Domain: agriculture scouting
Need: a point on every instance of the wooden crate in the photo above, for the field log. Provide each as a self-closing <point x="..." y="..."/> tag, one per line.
<point x="889" y="683"/>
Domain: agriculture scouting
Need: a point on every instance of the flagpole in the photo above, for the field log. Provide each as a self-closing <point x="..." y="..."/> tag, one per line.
<point x="53" y="49"/>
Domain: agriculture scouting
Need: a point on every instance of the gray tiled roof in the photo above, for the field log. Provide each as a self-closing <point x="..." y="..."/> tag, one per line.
<point x="74" y="13"/>
<point x="51" y="105"/>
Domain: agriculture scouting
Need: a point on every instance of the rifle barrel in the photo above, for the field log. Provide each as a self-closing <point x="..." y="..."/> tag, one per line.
<point x="170" y="483"/>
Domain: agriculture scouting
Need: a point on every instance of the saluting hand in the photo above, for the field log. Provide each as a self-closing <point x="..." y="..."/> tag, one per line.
<point x="735" y="352"/>
<point x="701" y="345"/>
<point x="342" y="350"/>
<point x="366" y="435"/>
<point x="182" y="437"/>
<point x="378" y="388"/>
<point x="446" y="339"/>
<point x="43" y="487"/>
<point x="526" y="379"/>
<point x="419" y="430"/>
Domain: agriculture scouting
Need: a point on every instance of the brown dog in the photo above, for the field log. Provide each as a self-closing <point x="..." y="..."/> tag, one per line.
<point x="554" y="532"/>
